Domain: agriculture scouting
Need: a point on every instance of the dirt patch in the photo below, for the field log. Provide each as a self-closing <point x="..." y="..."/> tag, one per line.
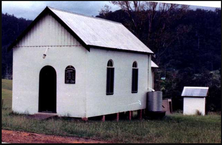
<point x="24" y="137"/>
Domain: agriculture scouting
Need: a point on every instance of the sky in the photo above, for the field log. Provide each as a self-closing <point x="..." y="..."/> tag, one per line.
<point x="31" y="9"/>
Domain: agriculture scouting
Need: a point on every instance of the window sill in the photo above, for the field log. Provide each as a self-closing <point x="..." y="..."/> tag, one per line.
<point x="134" y="92"/>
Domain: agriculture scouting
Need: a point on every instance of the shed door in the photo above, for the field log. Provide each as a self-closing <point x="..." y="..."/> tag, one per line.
<point x="47" y="90"/>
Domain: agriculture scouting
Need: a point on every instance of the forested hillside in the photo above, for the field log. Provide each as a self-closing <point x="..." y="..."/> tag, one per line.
<point x="12" y="27"/>
<point x="186" y="43"/>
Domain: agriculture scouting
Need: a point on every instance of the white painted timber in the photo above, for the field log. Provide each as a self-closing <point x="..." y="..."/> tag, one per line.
<point x="87" y="97"/>
<point x="98" y="103"/>
<point x="194" y="100"/>
<point x="193" y="105"/>
<point x="48" y="32"/>
<point x="28" y="61"/>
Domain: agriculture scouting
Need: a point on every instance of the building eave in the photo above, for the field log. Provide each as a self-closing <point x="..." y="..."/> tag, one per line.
<point x="118" y="49"/>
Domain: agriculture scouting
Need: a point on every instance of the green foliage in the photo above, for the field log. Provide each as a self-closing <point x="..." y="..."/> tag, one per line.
<point x="172" y="86"/>
<point x="7" y="84"/>
<point x="6" y="94"/>
<point x="187" y="47"/>
<point x="12" y="27"/>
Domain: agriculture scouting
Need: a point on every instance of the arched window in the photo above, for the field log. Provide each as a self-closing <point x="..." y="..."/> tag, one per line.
<point x="135" y="77"/>
<point x="134" y="64"/>
<point x="110" y="78"/>
<point x="70" y="75"/>
<point x="110" y="63"/>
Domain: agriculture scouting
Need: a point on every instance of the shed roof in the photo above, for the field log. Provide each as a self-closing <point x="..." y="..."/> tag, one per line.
<point x="96" y="32"/>
<point x="195" y="91"/>
<point x="154" y="65"/>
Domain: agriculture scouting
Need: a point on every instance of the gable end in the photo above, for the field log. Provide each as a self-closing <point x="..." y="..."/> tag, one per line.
<point x="41" y="15"/>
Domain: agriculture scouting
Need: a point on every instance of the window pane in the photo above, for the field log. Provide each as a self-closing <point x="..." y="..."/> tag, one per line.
<point x="110" y="63"/>
<point x="110" y="81"/>
<point x="134" y="64"/>
<point x="70" y="73"/>
<point x="134" y="80"/>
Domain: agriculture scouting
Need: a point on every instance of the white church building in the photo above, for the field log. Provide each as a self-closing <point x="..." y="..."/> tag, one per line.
<point x="79" y="66"/>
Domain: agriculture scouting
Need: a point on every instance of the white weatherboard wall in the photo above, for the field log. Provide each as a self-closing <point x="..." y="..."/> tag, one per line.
<point x="192" y="105"/>
<point x="152" y="79"/>
<point x="28" y="61"/>
<point x="98" y="103"/>
<point x="86" y="98"/>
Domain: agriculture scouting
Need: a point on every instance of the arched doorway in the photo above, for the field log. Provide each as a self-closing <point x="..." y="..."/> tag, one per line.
<point x="47" y="90"/>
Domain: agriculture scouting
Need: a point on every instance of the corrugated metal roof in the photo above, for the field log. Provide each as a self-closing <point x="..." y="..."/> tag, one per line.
<point x="154" y="65"/>
<point x="100" y="32"/>
<point x="195" y="91"/>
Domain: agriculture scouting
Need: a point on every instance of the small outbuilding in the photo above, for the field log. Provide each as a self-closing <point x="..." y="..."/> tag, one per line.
<point x="194" y="100"/>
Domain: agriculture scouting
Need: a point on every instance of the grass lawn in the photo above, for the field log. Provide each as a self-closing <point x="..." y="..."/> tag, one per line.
<point x="175" y="128"/>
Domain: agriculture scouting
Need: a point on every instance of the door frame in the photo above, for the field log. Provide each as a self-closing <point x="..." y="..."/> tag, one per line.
<point x="42" y="102"/>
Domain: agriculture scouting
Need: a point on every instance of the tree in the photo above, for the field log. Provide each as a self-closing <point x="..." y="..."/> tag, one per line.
<point x="129" y="7"/>
<point x="186" y="43"/>
<point x="105" y="10"/>
<point x="12" y="27"/>
<point x="160" y="14"/>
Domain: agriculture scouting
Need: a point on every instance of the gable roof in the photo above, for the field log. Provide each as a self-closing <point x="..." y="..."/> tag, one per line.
<point x="195" y="91"/>
<point x="93" y="32"/>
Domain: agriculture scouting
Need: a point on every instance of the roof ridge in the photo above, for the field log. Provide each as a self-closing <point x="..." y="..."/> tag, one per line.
<point x="98" y="18"/>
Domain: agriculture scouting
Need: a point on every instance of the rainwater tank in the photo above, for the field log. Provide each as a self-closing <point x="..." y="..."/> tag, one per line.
<point x="154" y="105"/>
<point x="154" y="101"/>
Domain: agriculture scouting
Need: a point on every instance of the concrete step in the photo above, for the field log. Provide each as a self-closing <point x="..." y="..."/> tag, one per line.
<point x="43" y="116"/>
